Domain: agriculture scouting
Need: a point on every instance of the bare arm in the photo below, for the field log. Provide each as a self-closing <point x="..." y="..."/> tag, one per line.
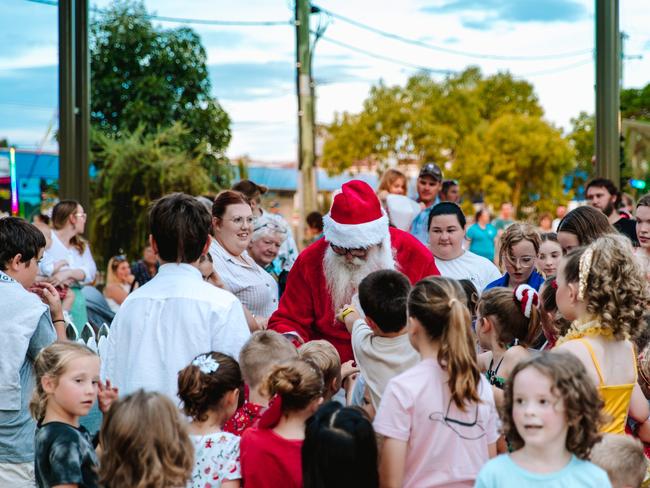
<point x="392" y="460"/>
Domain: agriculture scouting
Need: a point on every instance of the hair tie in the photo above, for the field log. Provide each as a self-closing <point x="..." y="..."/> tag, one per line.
<point x="528" y="297"/>
<point x="272" y="414"/>
<point x="451" y="302"/>
<point x="583" y="271"/>
<point x="206" y="363"/>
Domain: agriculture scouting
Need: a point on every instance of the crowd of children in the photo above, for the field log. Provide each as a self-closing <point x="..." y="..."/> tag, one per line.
<point x="449" y="386"/>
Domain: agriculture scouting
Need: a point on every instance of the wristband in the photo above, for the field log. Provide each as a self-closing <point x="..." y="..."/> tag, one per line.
<point x="346" y="312"/>
<point x="59" y="320"/>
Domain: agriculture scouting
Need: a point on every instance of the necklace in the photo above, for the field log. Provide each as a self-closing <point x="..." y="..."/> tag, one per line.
<point x="581" y="328"/>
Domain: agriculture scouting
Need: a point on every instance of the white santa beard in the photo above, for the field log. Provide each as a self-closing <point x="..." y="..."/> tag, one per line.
<point x="343" y="277"/>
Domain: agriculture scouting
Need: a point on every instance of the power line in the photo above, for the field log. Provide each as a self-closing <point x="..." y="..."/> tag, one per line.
<point x="182" y="20"/>
<point x="447" y="50"/>
<point x="559" y="69"/>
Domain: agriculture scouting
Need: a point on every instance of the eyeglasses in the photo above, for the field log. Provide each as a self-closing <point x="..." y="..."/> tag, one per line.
<point x="357" y="253"/>
<point x="81" y="215"/>
<point x="239" y="221"/>
<point x="119" y="258"/>
<point x="523" y="261"/>
<point x="271" y="226"/>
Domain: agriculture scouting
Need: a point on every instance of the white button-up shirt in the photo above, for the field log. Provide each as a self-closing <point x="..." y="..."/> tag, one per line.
<point x="256" y="288"/>
<point x="76" y="260"/>
<point x="165" y="324"/>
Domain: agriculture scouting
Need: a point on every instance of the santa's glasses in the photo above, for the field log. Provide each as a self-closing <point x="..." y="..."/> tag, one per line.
<point x="342" y="251"/>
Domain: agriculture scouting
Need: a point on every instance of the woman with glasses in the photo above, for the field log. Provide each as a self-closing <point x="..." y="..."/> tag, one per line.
<point x="119" y="282"/>
<point x="232" y="226"/>
<point x="518" y="253"/>
<point x="69" y="223"/>
<point x="268" y="236"/>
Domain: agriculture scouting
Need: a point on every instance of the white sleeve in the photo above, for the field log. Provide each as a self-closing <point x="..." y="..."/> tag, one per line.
<point x="88" y="266"/>
<point x="230" y="331"/>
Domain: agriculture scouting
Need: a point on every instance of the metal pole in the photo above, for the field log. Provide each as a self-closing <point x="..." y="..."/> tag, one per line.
<point x="306" y="159"/>
<point x="607" y="91"/>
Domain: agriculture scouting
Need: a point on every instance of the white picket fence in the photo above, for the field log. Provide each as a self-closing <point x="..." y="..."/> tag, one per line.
<point x="94" y="340"/>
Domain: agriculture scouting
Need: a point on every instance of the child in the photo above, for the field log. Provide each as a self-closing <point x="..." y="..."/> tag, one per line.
<point x="271" y="452"/>
<point x="29" y="322"/>
<point x="145" y="444"/>
<point x="551" y="416"/>
<point x="67" y="385"/>
<point x="623" y="459"/>
<point x="550" y="253"/>
<point x="507" y="325"/>
<point x="324" y="355"/>
<point x="603" y="291"/>
<point x="438" y="418"/>
<point x="340" y="449"/>
<point x="380" y="342"/>
<point x="209" y="389"/>
<point x="518" y="253"/>
<point x="264" y="350"/>
<point x="643" y="232"/>
<point x="553" y="324"/>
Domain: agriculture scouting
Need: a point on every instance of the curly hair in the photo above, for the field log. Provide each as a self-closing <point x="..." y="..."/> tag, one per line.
<point x="571" y="383"/>
<point x="616" y="289"/>
<point x="202" y="392"/>
<point x="145" y="444"/>
<point x="513" y="235"/>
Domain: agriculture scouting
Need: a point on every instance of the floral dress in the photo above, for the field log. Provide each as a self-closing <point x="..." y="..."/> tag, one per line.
<point x="216" y="459"/>
<point x="244" y="418"/>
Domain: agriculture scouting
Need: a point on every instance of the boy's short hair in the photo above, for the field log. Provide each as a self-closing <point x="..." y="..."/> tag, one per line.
<point x="324" y="356"/>
<point x="17" y="236"/>
<point x="623" y="459"/>
<point x="264" y="349"/>
<point x="383" y="295"/>
<point x="180" y="225"/>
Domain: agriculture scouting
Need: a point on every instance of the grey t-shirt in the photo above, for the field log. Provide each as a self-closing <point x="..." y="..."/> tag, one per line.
<point x="17" y="426"/>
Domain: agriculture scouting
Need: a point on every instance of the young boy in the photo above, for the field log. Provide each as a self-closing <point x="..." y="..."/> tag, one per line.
<point x="263" y="350"/>
<point x="176" y="316"/>
<point x="380" y="341"/>
<point x="623" y="459"/>
<point x="28" y="324"/>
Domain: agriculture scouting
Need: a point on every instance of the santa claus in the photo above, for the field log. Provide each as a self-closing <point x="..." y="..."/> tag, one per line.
<point x="356" y="241"/>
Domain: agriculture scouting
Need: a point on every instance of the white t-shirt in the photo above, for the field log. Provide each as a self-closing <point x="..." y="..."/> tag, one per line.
<point x="469" y="266"/>
<point x="216" y="459"/>
<point x="75" y="260"/>
<point x="163" y="325"/>
<point x="380" y="359"/>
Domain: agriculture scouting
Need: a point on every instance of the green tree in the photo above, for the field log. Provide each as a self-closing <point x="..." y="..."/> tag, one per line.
<point x="139" y="168"/>
<point x="582" y="139"/>
<point x="635" y="103"/>
<point x="149" y="77"/>
<point x="4" y="142"/>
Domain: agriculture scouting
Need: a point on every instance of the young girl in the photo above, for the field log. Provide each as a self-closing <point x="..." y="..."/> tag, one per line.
<point x="553" y="324"/>
<point x="551" y="417"/>
<point x="603" y="291"/>
<point x="518" y="254"/>
<point x="145" y="444"/>
<point x="507" y="325"/>
<point x="209" y="389"/>
<point x="340" y="449"/>
<point x="438" y="418"/>
<point x="67" y="385"/>
<point x="270" y="453"/>
<point x="550" y="253"/>
<point x="392" y="182"/>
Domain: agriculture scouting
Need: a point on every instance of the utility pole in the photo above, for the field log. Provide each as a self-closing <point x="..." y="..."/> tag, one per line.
<point x="306" y="132"/>
<point x="74" y="101"/>
<point x="607" y="91"/>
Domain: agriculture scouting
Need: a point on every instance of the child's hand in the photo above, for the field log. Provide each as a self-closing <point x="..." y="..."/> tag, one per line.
<point x="106" y="396"/>
<point x="48" y="294"/>
<point x="348" y="368"/>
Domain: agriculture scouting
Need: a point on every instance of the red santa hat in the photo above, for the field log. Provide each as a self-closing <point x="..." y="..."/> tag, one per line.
<point x="356" y="219"/>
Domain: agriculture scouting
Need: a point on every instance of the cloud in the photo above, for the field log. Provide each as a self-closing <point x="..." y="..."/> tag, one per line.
<point x="483" y="14"/>
<point x="646" y="46"/>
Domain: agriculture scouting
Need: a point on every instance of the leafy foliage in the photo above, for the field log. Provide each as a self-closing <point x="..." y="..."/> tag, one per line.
<point x="635" y="103"/>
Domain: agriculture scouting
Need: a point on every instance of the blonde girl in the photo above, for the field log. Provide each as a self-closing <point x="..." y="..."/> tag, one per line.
<point x="67" y="385"/>
<point x="271" y="453"/>
<point x="551" y="416"/>
<point x="438" y="419"/>
<point x="603" y="291"/>
<point x="119" y="282"/>
<point x="508" y="324"/>
<point x="145" y="444"/>
<point x="392" y="182"/>
<point x="209" y="389"/>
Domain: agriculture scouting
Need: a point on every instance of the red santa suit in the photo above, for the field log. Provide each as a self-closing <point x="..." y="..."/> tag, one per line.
<point x="355" y="221"/>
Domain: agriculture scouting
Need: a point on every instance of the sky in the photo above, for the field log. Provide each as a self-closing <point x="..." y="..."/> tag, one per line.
<point x="547" y="42"/>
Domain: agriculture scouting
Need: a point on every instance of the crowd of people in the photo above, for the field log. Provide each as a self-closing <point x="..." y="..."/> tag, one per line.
<point x="404" y="346"/>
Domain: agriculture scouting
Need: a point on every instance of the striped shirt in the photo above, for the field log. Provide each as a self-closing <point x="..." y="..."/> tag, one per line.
<point x="255" y="288"/>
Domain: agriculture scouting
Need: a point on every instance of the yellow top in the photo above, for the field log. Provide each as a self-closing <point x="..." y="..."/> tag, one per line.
<point x="616" y="397"/>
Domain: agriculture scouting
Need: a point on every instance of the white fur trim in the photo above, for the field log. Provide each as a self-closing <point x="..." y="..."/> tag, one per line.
<point x="354" y="236"/>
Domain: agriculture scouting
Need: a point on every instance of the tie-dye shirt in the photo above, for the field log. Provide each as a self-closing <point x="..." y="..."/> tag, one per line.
<point x="216" y="459"/>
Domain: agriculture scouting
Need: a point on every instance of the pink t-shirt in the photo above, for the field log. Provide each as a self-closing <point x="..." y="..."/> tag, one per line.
<point x="446" y="446"/>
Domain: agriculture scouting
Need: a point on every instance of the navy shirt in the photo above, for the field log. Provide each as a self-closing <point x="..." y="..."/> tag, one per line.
<point x="535" y="280"/>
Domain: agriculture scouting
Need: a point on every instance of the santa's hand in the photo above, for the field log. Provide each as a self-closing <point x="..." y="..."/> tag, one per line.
<point x="348" y="315"/>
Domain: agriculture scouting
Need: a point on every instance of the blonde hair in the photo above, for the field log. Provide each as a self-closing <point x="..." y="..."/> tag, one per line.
<point x="324" y="355"/>
<point x="52" y="362"/>
<point x="623" y="458"/>
<point x="515" y="234"/>
<point x="297" y="382"/>
<point x="264" y="349"/>
<point x="145" y="444"/>
<point x="439" y="305"/>
<point x="111" y="269"/>
<point x="389" y="177"/>
<point x="614" y="287"/>
<point x="61" y="216"/>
